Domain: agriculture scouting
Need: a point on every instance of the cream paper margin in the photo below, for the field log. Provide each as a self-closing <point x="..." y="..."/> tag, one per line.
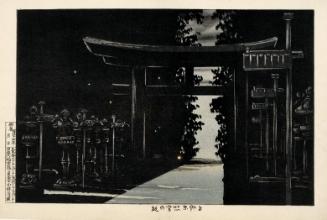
<point x="105" y="211"/>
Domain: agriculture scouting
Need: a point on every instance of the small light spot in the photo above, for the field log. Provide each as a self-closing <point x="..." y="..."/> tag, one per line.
<point x="159" y="77"/>
<point x="75" y="72"/>
<point x="89" y="84"/>
<point x="110" y="102"/>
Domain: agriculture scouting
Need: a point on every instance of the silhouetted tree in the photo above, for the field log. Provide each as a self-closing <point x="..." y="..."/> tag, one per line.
<point x="223" y="76"/>
<point x="186" y="37"/>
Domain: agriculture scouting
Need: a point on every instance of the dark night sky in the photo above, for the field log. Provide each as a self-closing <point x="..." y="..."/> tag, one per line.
<point x="50" y="48"/>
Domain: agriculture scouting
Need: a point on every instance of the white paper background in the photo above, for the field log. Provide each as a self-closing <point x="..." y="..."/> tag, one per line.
<point x="105" y="211"/>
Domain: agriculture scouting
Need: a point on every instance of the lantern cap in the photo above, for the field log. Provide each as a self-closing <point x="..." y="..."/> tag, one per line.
<point x="288" y="15"/>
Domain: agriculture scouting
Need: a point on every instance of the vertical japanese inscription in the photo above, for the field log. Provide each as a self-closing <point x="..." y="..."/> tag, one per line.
<point x="10" y="145"/>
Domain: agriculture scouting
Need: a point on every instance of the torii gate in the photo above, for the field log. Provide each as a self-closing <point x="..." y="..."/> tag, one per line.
<point x="137" y="57"/>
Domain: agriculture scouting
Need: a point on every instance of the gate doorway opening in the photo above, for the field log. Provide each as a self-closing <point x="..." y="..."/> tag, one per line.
<point x="207" y="135"/>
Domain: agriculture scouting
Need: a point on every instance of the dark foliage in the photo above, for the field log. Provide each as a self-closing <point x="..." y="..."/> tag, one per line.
<point x="223" y="76"/>
<point x="186" y="37"/>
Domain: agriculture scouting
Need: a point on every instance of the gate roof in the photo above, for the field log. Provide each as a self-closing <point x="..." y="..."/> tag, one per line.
<point x="127" y="54"/>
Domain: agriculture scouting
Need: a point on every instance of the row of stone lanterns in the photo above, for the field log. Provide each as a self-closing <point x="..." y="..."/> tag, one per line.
<point x="86" y="145"/>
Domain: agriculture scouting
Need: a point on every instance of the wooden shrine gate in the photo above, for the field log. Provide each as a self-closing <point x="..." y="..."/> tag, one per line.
<point x="257" y="57"/>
